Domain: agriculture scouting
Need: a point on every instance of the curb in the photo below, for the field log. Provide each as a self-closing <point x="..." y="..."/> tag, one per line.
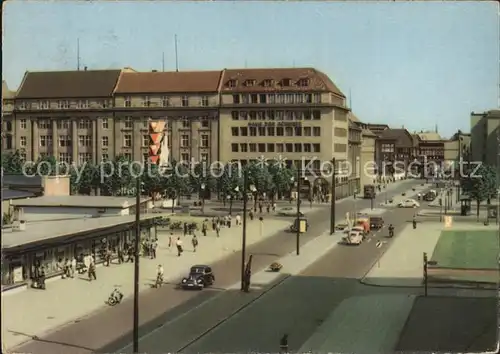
<point x="430" y="286"/>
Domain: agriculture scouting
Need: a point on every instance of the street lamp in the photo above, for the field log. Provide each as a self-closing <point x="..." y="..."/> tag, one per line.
<point x="202" y="187"/>
<point x="138" y="189"/>
<point x="298" y="214"/>
<point x="244" y="285"/>
<point x="427" y="263"/>
<point x="230" y="199"/>
<point x="333" y="197"/>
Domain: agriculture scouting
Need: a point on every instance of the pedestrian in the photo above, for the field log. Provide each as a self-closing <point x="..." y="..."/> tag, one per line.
<point x="204" y="228"/>
<point x="170" y="239"/>
<point x="250" y="214"/>
<point x="194" y="242"/>
<point x="213" y="224"/>
<point x="178" y="243"/>
<point x="185" y="229"/>
<point x="67" y="267"/>
<point x="92" y="271"/>
<point x="107" y="258"/>
<point x="154" y="246"/>
<point x="217" y="230"/>
<point x="159" y="276"/>
<point x="274" y="206"/>
<point x="268" y="207"/>
<point x="229" y="221"/>
<point x="121" y="259"/>
<point x="414" y="223"/>
<point x="260" y="207"/>
<point x="73" y="267"/>
<point x="130" y="254"/>
<point x="238" y="219"/>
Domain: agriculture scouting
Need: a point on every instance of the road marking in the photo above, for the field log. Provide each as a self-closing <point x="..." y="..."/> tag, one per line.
<point x="379" y="244"/>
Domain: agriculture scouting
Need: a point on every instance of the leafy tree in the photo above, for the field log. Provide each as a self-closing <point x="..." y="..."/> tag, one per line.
<point x="259" y="176"/>
<point x="480" y="186"/>
<point x="282" y="179"/>
<point x="12" y="162"/>
<point x="85" y="179"/>
<point x="48" y="166"/>
<point x="151" y="179"/>
<point x="122" y="181"/>
<point x="175" y="182"/>
<point x="231" y="184"/>
<point x="202" y="176"/>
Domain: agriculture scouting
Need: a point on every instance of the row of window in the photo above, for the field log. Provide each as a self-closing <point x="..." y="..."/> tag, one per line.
<point x="279" y="148"/>
<point x="303" y="82"/>
<point x="277" y="98"/>
<point x="167" y="102"/>
<point x="276" y="131"/>
<point x="64" y="104"/>
<point x="276" y="115"/>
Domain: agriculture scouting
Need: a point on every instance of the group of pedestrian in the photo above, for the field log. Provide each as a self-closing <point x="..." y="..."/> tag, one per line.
<point x="150" y="247"/>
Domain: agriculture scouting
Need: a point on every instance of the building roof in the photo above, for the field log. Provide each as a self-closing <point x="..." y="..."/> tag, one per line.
<point x="402" y="137"/>
<point x="368" y="132"/>
<point x="168" y="82"/>
<point x="316" y="80"/>
<point x="21" y="180"/>
<point x="9" y="194"/>
<point x="78" y="201"/>
<point x="429" y="136"/>
<point x="6" y="92"/>
<point x="45" y="230"/>
<point x="66" y="84"/>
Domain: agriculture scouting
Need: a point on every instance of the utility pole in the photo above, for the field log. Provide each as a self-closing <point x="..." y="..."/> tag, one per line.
<point x="78" y="54"/>
<point x="425" y="273"/>
<point x="332" y="207"/>
<point x="298" y="212"/>
<point x="136" y="265"/>
<point x="244" y="237"/>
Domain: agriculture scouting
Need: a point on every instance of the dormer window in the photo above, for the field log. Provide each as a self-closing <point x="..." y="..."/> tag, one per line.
<point x="146" y="101"/>
<point x="250" y="83"/>
<point x="231" y="83"/>
<point x="286" y="82"/>
<point x="303" y="82"/>
<point x="267" y="83"/>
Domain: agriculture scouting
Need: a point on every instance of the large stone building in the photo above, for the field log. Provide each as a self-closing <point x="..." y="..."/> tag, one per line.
<point x="485" y="137"/>
<point x="296" y="114"/>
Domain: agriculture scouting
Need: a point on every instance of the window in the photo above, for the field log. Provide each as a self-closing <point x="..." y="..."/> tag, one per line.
<point x="84" y="157"/>
<point x="185" y="101"/>
<point x="44" y="104"/>
<point x="253" y="131"/>
<point x="262" y="147"/>
<point x="243" y="147"/>
<point x="204" y="140"/>
<point x="8" y="126"/>
<point x="303" y="82"/>
<point x="243" y="115"/>
<point x="254" y="98"/>
<point x="267" y="83"/>
<point x="185" y="140"/>
<point x="270" y="147"/>
<point x="298" y="131"/>
<point x="64" y="157"/>
<point x="307" y="131"/>
<point x="127" y="140"/>
<point x="22" y="124"/>
<point x="308" y="98"/>
<point x="83" y="104"/>
<point x="317" y="98"/>
<point x="105" y="141"/>
<point x="165" y="101"/>
<point x="205" y="123"/>
<point x="243" y="131"/>
<point x="105" y="156"/>
<point x="316" y="131"/>
<point x="105" y="123"/>
<point x="280" y="131"/>
<point x="185" y="124"/>
<point x="146" y="102"/>
<point x="261" y="115"/>
<point x="252" y="115"/>
<point x="145" y="157"/>
<point x="307" y="115"/>
<point x="204" y="156"/>
<point x="236" y="99"/>
<point x="234" y="147"/>
<point x="307" y="148"/>
<point x="340" y="147"/>
<point x="235" y="115"/>
<point x="63" y="104"/>
<point x="279" y="115"/>
<point x="129" y="124"/>
<point x="262" y="131"/>
<point x="316" y="148"/>
<point x="105" y="104"/>
<point x="84" y="123"/>
<point x="145" y="140"/>
<point x="298" y="147"/>
<point x="270" y="131"/>
<point x="263" y="98"/>
<point x="23" y="105"/>
<point x="64" y="140"/>
<point x="285" y="82"/>
<point x="231" y="83"/>
<point x="316" y="115"/>
<point x="63" y="124"/>
<point x="44" y="124"/>
<point x="204" y="101"/>
<point x="289" y="147"/>
<point x="128" y="101"/>
<point x="46" y="140"/>
<point x="253" y="147"/>
<point x="270" y="115"/>
<point x="288" y="131"/>
<point x="84" y="140"/>
<point x="250" y="83"/>
<point x="185" y="157"/>
<point x="340" y="132"/>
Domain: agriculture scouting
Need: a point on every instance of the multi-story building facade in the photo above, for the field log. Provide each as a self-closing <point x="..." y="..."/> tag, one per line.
<point x="8" y="140"/>
<point x="457" y="149"/>
<point x="485" y="137"/>
<point x="368" y="166"/>
<point x="395" y="149"/>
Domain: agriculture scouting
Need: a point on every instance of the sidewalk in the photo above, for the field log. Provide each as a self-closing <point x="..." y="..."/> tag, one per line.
<point x="402" y="263"/>
<point x="34" y="312"/>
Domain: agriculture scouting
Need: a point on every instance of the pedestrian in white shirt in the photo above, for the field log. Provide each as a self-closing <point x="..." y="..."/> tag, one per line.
<point x="238" y="219"/>
<point x="178" y="243"/>
<point x="73" y="267"/>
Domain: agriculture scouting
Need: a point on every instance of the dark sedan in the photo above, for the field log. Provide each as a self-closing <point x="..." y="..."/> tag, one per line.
<point x="200" y="276"/>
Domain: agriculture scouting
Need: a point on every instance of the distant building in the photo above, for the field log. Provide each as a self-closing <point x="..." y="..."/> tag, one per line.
<point x="485" y="136"/>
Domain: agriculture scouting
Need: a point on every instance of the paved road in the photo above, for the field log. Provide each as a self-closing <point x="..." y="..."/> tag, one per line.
<point x="110" y="329"/>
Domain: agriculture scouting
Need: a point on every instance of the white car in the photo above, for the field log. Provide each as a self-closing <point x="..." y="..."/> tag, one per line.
<point x="289" y="211"/>
<point x="353" y="238"/>
<point x="409" y="203"/>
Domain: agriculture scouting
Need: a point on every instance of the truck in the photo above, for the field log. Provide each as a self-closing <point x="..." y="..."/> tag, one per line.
<point x="369" y="191"/>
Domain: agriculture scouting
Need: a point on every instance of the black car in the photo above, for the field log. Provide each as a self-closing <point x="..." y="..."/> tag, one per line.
<point x="376" y="222"/>
<point x="200" y="276"/>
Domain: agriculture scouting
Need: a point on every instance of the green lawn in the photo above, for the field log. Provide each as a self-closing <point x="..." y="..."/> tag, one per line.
<point x="467" y="249"/>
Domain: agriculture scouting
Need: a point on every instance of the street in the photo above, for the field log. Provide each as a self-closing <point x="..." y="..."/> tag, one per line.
<point x="110" y="329"/>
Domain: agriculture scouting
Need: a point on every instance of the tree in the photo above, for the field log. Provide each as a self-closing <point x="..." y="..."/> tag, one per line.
<point x="151" y="179"/>
<point x="231" y="184"/>
<point x="282" y="179"/>
<point x="12" y="162"/>
<point x="480" y="186"/>
<point x="259" y="176"/>
<point x="85" y="179"/>
<point x="48" y="166"/>
<point x="175" y="182"/>
<point x="202" y="176"/>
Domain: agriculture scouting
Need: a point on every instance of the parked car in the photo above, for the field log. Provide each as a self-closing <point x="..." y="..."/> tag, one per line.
<point x="200" y="276"/>
<point x="376" y="222"/>
<point x="430" y="196"/>
<point x="409" y="203"/>
<point x="289" y="211"/>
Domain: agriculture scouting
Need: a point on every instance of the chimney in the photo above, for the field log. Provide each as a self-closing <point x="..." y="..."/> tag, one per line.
<point x="84" y="68"/>
<point x="154" y="71"/>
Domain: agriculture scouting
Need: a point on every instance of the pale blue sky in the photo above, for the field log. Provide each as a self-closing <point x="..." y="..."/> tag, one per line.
<point x="417" y="64"/>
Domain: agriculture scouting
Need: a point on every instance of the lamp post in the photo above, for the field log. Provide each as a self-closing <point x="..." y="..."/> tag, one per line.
<point x="202" y="187"/>
<point x="244" y="226"/>
<point x="333" y="197"/>
<point x="298" y="214"/>
<point x="427" y="263"/>
<point x="136" y="265"/>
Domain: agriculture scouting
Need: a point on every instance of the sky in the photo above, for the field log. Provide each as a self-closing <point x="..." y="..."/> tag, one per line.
<point x="411" y="64"/>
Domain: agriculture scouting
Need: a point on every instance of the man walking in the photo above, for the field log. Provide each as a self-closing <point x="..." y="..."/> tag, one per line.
<point x="194" y="242"/>
<point x="154" y="246"/>
<point x="92" y="270"/>
<point x="178" y="243"/>
<point x="217" y="230"/>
